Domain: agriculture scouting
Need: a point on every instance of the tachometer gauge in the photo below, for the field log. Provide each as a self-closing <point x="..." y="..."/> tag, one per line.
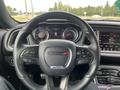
<point x="41" y="34"/>
<point x="70" y="34"/>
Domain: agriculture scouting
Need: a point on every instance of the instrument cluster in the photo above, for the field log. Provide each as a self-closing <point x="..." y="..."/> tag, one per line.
<point x="56" y="31"/>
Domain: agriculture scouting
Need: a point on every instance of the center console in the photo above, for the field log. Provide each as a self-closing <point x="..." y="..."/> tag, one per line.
<point x="108" y="77"/>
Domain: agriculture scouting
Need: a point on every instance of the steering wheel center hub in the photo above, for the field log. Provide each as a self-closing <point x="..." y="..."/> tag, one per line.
<point x="57" y="57"/>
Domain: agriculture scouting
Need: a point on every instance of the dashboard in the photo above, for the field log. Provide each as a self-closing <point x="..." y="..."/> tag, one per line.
<point x="107" y="33"/>
<point x="108" y="74"/>
<point x="108" y="37"/>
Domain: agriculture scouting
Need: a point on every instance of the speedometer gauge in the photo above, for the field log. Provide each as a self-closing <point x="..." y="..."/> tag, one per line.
<point x="70" y="34"/>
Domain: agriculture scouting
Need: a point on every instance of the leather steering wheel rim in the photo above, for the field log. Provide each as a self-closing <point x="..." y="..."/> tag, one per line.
<point x="27" y="29"/>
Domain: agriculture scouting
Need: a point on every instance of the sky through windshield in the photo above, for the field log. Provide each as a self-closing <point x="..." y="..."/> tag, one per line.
<point x="44" y="5"/>
<point x="24" y="10"/>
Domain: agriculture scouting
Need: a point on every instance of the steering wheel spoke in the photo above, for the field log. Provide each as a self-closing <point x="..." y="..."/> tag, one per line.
<point x="29" y="54"/>
<point x="84" y="55"/>
<point x="49" y="82"/>
<point x="64" y="82"/>
<point x="51" y="85"/>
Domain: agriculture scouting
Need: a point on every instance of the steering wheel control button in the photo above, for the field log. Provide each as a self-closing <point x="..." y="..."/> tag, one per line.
<point x="29" y="55"/>
<point x="57" y="57"/>
<point x="84" y="56"/>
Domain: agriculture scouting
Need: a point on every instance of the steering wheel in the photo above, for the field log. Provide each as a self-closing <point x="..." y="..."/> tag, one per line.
<point x="57" y="57"/>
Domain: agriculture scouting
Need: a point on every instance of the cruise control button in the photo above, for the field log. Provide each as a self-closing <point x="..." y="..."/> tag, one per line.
<point x="29" y="54"/>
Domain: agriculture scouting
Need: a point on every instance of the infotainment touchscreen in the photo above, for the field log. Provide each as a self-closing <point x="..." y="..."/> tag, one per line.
<point x="109" y="41"/>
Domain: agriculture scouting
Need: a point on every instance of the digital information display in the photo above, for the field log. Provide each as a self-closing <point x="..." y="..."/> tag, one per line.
<point x="109" y="41"/>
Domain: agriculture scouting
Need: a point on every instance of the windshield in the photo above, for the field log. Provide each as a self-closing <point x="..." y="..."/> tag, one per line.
<point x="24" y="10"/>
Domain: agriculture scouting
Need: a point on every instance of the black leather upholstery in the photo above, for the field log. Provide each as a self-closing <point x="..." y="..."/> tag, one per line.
<point x="92" y="86"/>
<point x="5" y="85"/>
